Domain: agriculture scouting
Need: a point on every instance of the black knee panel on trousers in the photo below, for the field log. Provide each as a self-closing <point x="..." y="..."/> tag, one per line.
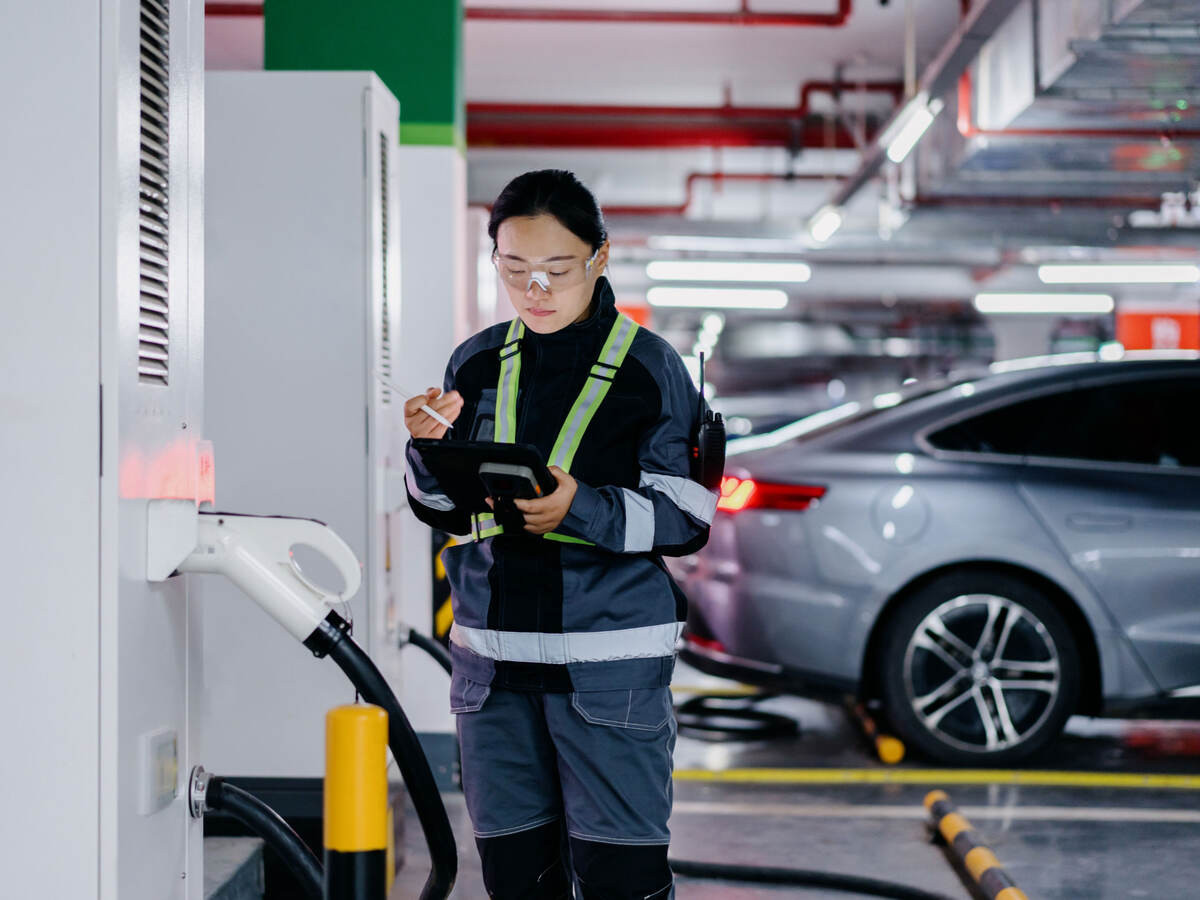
<point x="621" y="871"/>
<point x="528" y="865"/>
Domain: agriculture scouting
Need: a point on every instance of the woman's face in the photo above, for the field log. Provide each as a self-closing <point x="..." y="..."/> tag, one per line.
<point x="544" y="268"/>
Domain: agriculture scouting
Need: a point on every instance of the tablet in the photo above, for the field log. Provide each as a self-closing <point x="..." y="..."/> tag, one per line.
<point x="456" y="465"/>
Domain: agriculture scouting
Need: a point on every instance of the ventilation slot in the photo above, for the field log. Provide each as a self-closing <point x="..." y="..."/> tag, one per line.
<point x="385" y="351"/>
<point x="153" y="230"/>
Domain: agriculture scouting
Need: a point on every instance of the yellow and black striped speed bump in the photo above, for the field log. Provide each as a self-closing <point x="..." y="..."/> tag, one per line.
<point x="978" y="860"/>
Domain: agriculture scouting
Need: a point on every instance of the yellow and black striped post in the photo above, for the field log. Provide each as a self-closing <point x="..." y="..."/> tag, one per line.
<point x="356" y="808"/>
<point x="890" y="750"/>
<point x="964" y="842"/>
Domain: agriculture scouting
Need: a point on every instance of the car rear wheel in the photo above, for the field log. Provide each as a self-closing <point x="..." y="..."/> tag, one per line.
<point x="979" y="669"/>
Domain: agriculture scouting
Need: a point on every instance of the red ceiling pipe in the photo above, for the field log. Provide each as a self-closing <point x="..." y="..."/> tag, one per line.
<point x="580" y="125"/>
<point x="934" y="200"/>
<point x="726" y="111"/>
<point x="743" y="16"/>
<point x="233" y="9"/>
<point x="607" y="134"/>
<point x="895" y="88"/>
<point x="680" y="209"/>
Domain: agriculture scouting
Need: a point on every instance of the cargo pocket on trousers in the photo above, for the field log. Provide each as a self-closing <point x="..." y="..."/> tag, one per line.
<point x="647" y="709"/>
<point x="466" y="695"/>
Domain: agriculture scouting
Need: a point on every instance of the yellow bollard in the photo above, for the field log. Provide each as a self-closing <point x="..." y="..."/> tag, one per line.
<point x="356" y="811"/>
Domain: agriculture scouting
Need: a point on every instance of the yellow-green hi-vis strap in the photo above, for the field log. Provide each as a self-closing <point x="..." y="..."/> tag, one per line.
<point x="566" y="445"/>
<point x="600" y="379"/>
<point x="506" y="388"/>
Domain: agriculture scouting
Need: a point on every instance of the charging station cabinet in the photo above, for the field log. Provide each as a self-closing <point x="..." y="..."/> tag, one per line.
<point x="302" y="276"/>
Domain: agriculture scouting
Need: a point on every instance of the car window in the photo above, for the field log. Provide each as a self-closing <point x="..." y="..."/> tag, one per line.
<point x="1149" y="421"/>
<point x="1008" y="430"/>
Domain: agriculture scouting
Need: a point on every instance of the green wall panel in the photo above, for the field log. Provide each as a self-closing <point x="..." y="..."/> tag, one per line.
<point x="415" y="46"/>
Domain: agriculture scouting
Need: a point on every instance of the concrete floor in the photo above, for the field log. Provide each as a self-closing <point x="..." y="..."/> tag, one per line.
<point x="1097" y="842"/>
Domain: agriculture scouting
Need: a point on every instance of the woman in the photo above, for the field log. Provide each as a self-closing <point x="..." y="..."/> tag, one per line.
<point x="564" y="630"/>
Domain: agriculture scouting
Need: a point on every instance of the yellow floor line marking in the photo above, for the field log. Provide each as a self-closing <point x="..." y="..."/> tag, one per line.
<point x="917" y="812"/>
<point x="939" y="777"/>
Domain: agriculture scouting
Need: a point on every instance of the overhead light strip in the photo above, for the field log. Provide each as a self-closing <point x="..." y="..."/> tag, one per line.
<point x="723" y="244"/>
<point x="909" y="127"/>
<point x="727" y="270"/>
<point x="1044" y="304"/>
<point x="1118" y="273"/>
<point x="717" y="298"/>
<point x="826" y="221"/>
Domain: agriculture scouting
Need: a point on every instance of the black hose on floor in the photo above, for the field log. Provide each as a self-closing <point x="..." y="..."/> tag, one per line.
<point x="851" y="884"/>
<point x="332" y="638"/>
<point x="440" y="654"/>
<point x="721" y="717"/>
<point x="275" y="832"/>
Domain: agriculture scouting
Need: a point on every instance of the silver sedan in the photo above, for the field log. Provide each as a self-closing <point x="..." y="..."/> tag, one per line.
<point x="984" y="557"/>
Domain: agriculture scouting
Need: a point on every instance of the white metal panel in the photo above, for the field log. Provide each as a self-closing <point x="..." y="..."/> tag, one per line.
<point x="293" y="332"/>
<point x="1005" y="70"/>
<point x="151" y="432"/>
<point x="49" y="415"/>
<point x="383" y="141"/>
<point x="1059" y="22"/>
<point x="105" y="650"/>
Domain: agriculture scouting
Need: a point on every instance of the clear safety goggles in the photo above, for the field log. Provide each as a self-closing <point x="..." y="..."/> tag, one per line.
<point x="554" y="276"/>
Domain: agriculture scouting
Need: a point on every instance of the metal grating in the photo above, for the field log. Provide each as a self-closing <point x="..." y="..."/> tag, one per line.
<point x="153" y="224"/>
<point x="385" y="352"/>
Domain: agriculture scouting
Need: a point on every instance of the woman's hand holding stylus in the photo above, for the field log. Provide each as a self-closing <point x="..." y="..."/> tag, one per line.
<point x="546" y="513"/>
<point x="421" y="424"/>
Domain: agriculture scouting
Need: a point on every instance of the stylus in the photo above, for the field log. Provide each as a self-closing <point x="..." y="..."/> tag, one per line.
<point x="424" y="406"/>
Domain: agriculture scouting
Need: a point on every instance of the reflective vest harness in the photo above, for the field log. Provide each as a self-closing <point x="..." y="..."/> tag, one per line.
<point x="599" y="380"/>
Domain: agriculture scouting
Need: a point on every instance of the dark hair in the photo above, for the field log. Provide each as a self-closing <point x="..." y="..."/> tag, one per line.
<point x="554" y="192"/>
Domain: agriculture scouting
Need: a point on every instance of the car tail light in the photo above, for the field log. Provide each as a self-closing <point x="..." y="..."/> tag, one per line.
<point x="704" y="643"/>
<point x="746" y="493"/>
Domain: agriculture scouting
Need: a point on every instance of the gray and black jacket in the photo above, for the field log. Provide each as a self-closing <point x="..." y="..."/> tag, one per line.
<point x="542" y="615"/>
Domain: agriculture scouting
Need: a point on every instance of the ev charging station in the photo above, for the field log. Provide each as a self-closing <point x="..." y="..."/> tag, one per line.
<point x="303" y="285"/>
<point x="101" y="358"/>
<point x="109" y="467"/>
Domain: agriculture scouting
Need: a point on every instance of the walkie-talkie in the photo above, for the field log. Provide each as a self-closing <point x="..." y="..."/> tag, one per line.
<point x="708" y="443"/>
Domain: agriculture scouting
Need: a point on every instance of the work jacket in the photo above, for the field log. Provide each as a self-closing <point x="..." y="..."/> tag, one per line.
<point x="599" y="612"/>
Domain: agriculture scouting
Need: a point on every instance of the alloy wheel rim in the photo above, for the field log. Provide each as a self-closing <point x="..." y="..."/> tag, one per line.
<point x="981" y="673"/>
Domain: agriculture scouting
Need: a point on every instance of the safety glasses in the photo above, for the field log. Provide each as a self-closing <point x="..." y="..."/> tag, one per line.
<point x="550" y="276"/>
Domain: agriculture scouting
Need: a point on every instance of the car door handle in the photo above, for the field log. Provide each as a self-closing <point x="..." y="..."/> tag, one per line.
<point x="1099" y="522"/>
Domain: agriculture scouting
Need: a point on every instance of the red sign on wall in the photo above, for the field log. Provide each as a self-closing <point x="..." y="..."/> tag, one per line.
<point x="1159" y="330"/>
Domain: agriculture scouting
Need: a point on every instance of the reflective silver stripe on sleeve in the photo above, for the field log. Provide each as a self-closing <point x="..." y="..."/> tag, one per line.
<point x="639" y="522"/>
<point x="576" y="647"/>
<point x="693" y="498"/>
<point x="433" y="501"/>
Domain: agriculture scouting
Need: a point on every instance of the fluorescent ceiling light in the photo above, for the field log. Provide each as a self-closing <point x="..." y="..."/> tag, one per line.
<point x="717" y="298"/>
<point x="1044" y="304"/>
<point x="726" y="270"/>
<point x="1104" y="273"/>
<point x="909" y="127"/>
<point x="723" y="244"/>
<point x="824" y="223"/>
